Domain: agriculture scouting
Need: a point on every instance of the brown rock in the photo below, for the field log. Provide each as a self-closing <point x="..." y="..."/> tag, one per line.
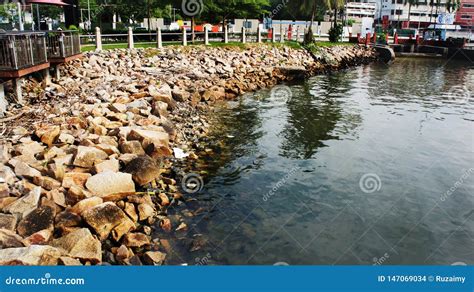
<point x="9" y="239"/>
<point x="104" y="218"/>
<point x="89" y="156"/>
<point x="34" y="255"/>
<point x="132" y="147"/>
<point x="67" y="219"/>
<point x="26" y="204"/>
<point x="165" y="224"/>
<point x="108" y="165"/>
<point x="160" y="109"/>
<point x="123" y="228"/>
<point x="46" y="182"/>
<point x="41" y="237"/>
<point x="108" y="182"/>
<point x="86" y="204"/>
<point x="68" y="261"/>
<point x="135" y="240"/>
<point x="39" y="219"/>
<point x="80" y="244"/>
<point x="164" y="199"/>
<point x="48" y="134"/>
<point x="155" y="258"/>
<point x="145" y="211"/>
<point x="75" y="179"/>
<point x="147" y="137"/>
<point x="7" y="222"/>
<point x="130" y="211"/>
<point x="143" y="169"/>
<point x="23" y="169"/>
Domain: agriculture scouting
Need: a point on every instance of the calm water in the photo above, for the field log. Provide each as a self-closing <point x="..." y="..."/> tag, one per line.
<point x="356" y="168"/>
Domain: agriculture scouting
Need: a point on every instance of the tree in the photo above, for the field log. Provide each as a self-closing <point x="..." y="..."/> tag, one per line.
<point x="222" y="10"/>
<point x="310" y="6"/>
<point x="410" y="3"/>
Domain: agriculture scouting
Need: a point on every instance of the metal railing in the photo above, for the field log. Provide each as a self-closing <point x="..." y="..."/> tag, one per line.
<point x="22" y="50"/>
<point x="62" y="44"/>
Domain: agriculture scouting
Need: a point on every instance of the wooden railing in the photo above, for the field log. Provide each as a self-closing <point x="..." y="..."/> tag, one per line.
<point x="22" y="50"/>
<point x="63" y="44"/>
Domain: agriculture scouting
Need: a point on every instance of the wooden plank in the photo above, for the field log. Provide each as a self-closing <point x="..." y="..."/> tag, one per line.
<point x="9" y="74"/>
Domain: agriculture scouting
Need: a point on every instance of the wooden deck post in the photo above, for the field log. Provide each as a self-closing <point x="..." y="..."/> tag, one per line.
<point x="46" y="77"/>
<point x="226" y="34"/>
<point x="98" y="39"/>
<point x="159" y="40"/>
<point x="259" y="34"/>
<point x="57" y="74"/>
<point x="131" y="44"/>
<point x="273" y="35"/>
<point x="206" y="37"/>
<point x="3" y="101"/>
<point x="185" y="37"/>
<point x="244" y="38"/>
<point x="17" y="83"/>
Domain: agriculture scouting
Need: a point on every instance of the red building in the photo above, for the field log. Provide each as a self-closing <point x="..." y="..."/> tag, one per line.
<point x="465" y="14"/>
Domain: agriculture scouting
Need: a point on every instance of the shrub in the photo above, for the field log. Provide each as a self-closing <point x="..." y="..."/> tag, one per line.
<point x="335" y="33"/>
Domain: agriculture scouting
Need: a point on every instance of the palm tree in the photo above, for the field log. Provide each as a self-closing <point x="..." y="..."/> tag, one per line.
<point x="310" y="5"/>
<point x="410" y="3"/>
<point x="453" y="5"/>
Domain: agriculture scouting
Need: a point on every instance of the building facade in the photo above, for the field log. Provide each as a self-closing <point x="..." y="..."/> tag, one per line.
<point x="359" y="9"/>
<point x="465" y="14"/>
<point x="395" y="12"/>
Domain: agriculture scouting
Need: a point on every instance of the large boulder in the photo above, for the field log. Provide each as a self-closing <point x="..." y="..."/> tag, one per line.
<point x="106" y="217"/>
<point x="80" y="244"/>
<point x="34" y="255"/>
<point x="106" y="183"/>
<point x="143" y="169"/>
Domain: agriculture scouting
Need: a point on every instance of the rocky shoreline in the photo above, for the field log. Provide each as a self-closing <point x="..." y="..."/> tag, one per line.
<point x="89" y="169"/>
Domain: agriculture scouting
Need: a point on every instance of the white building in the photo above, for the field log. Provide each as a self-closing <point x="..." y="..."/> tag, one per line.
<point x="395" y="11"/>
<point x="359" y="10"/>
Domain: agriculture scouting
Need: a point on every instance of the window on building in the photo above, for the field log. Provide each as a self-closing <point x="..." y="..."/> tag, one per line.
<point x="399" y="12"/>
<point x="393" y="1"/>
<point x="248" y="24"/>
<point x="465" y="16"/>
<point x="392" y="12"/>
<point x="468" y="5"/>
<point x="399" y="1"/>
